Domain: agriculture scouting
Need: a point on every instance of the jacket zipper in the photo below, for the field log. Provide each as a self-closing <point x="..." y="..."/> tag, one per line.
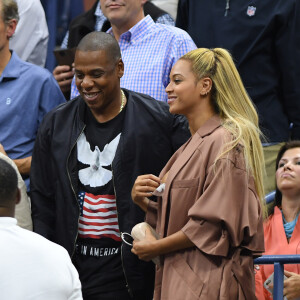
<point x="74" y="189"/>
<point x="227" y="7"/>
<point x="127" y="285"/>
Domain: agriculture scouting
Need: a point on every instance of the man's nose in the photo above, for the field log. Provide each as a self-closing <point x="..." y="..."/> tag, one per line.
<point x="87" y="82"/>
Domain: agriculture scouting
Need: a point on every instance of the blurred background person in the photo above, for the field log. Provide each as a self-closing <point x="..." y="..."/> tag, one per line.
<point x="59" y="14"/>
<point x="31" y="266"/>
<point x="264" y="40"/>
<point x="95" y="19"/>
<point x="27" y="92"/>
<point x="169" y="6"/>
<point x="23" y="209"/>
<point x="282" y="228"/>
<point x="30" y="40"/>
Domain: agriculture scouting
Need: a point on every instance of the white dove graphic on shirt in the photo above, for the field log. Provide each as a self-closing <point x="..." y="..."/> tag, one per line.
<point x="95" y="175"/>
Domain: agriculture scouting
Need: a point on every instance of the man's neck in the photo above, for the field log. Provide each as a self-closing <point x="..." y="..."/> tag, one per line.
<point x="5" y="56"/>
<point x="7" y="212"/>
<point x="119" y="29"/>
<point x="111" y="111"/>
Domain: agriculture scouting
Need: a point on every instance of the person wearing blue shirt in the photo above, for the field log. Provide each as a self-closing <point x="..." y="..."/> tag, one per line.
<point x="27" y="93"/>
<point x="149" y="49"/>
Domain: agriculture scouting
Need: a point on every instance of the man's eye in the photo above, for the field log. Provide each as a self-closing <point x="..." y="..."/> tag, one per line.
<point x="97" y="75"/>
<point x="79" y="76"/>
<point x="280" y="165"/>
<point x="177" y="81"/>
<point x="298" y="163"/>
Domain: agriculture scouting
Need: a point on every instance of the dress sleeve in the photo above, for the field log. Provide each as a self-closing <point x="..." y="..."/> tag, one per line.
<point x="228" y="212"/>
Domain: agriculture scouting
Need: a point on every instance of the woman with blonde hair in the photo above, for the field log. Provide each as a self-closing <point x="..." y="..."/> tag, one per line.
<point x="209" y="216"/>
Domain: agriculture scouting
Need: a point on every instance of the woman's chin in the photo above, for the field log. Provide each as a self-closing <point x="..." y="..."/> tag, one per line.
<point x="173" y="109"/>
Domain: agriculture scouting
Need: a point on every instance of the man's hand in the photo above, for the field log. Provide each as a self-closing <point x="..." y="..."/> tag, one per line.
<point x="23" y="165"/>
<point x="291" y="286"/>
<point x="2" y="150"/>
<point x="64" y="76"/>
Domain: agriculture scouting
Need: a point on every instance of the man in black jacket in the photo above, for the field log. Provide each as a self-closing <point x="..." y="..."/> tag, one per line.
<point x="95" y="20"/>
<point x="86" y="158"/>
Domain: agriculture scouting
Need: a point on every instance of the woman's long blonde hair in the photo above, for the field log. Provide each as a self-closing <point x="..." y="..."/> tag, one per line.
<point x="234" y="106"/>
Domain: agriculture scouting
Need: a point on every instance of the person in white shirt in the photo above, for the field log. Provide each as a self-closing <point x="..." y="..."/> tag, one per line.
<point x="170" y="6"/>
<point x="32" y="268"/>
<point x="30" y="40"/>
<point x="23" y="209"/>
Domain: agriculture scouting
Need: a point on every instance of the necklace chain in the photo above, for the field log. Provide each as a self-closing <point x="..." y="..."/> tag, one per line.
<point x="123" y="101"/>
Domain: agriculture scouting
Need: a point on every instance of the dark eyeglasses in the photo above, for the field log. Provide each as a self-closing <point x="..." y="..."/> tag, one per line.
<point x="127" y="238"/>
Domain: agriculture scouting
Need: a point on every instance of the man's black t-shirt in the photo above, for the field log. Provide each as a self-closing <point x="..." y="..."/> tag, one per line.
<point x="98" y="246"/>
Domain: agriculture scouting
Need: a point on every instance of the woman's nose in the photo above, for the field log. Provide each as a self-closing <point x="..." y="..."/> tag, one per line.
<point x="168" y="88"/>
<point x="287" y="166"/>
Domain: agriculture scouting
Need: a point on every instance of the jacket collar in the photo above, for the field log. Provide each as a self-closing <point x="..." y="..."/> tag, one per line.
<point x="178" y="161"/>
<point x="209" y="126"/>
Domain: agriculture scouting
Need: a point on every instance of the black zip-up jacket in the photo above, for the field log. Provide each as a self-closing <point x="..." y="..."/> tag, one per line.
<point x="150" y="136"/>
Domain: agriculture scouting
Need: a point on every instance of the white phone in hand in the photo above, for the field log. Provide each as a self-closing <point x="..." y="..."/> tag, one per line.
<point x="270" y="281"/>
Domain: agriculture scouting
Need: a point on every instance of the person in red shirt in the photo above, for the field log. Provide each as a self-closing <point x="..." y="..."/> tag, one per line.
<point x="282" y="228"/>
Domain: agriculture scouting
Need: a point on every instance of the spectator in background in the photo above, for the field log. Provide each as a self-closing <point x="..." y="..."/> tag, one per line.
<point x="86" y="157"/>
<point x="30" y="40"/>
<point x="23" y="210"/>
<point x="27" y="93"/>
<point x="149" y="50"/>
<point x="59" y="14"/>
<point x="95" y="20"/>
<point x="169" y="6"/>
<point x="31" y="266"/>
<point x="264" y="40"/>
<point x="282" y="228"/>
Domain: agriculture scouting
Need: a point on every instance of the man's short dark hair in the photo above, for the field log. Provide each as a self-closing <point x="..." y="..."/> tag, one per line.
<point x="8" y="183"/>
<point x="9" y="10"/>
<point x="97" y="40"/>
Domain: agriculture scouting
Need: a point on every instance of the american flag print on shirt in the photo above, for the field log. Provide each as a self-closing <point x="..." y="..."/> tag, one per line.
<point x="98" y="216"/>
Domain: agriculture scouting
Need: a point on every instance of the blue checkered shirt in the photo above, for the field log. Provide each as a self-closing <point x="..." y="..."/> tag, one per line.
<point x="149" y="50"/>
<point x="100" y="19"/>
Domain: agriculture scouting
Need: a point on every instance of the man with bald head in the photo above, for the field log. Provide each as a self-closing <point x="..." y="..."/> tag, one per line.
<point x="31" y="266"/>
<point x="86" y="158"/>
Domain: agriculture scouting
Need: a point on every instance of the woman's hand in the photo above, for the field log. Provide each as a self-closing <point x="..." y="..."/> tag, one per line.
<point x="291" y="285"/>
<point x="143" y="187"/>
<point x="146" y="249"/>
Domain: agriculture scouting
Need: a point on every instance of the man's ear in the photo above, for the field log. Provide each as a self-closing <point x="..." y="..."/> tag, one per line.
<point x="120" y="68"/>
<point x="18" y="197"/>
<point x="11" y="28"/>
